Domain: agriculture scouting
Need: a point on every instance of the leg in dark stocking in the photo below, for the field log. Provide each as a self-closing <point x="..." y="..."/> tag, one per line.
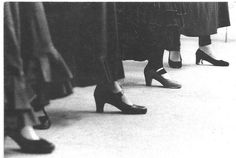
<point x="175" y="60"/>
<point x="155" y="59"/>
<point x="155" y="70"/>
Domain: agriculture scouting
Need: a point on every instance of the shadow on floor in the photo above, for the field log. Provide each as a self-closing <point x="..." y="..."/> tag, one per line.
<point x="13" y="152"/>
<point x="66" y="117"/>
<point x="131" y="85"/>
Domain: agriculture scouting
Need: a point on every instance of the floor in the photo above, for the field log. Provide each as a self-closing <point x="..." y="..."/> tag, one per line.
<point x="196" y="121"/>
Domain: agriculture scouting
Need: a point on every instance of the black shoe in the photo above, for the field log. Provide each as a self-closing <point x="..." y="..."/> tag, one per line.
<point x="40" y="146"/>
<point x="103" y="95"/>
<point x="45" y="122"/>
<point x="175" y="64"/>
<point x="150" y="74"/>
<point x="200" y="56"/>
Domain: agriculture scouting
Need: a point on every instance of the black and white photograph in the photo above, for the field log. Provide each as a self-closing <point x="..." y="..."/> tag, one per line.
<point x="118" y="79"/>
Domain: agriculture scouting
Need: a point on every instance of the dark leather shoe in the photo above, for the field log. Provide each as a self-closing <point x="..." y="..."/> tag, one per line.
<point x="44" y="121"/>
<point x="40" y="146"/>
<point x="200" y="56"/>
<point x="152" y="74"/>
<point x="175" y="64"/>
<point x="102" y="95"/>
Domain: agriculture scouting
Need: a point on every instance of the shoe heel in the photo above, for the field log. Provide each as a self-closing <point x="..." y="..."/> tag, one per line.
<point x="198" y="59"/>
<point x="99" y="105"/>
<point x="148" y="79"/>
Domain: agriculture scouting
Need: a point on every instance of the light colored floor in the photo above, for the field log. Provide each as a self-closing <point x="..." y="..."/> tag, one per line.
<point x="197" y="121"/>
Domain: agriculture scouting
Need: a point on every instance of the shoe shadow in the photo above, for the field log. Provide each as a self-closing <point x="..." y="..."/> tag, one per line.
<point x="14" y="152"/>
<point x="132" y="84"/>
<point x="128" y="85"/>
<point x="68" y="117"/>
<point x="11" y="152"/>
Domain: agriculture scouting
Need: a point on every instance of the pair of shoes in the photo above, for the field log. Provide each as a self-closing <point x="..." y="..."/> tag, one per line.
<point x="175" y="64"/>
<point x="200" y="56"/>
<point x="150" y="74"/>
<point x="103" y="95"/>
<point x="40" y="146"/>
<point x="45" y="122"/>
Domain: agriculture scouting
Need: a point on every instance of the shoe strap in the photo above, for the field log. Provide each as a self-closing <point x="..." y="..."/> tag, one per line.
<point x="161" y="71"/>
<point x="45" y="113"/>
<point x="119" y="94"/>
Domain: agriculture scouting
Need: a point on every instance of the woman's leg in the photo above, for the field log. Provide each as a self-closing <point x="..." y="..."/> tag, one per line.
<point x="29" y="133"/>
<point x="116" y="88"/>
<point x="155" y="70"/>
<point x="155" y="59"/>
<point x="18" y="117"/>
<point x="175" y="56"/>
<point x="155" y="62"/>
<point x="174" y="53"/>
<point x="47" y="73"/>
<point x="204" y="43"/>
<point x="18" y="126"/>
<point x="205" y="52"/>
<point x="113" y="94"/>
<point x="20" y="122"/>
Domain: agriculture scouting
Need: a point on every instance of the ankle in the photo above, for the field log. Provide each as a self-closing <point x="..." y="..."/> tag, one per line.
<point x="174" y="56"/>
<point x="126" y="100"/>
<point x="116" y="88"/>
<point x="29" y="133"/>
<point x="39" y="113"/>
<point x="163" y="73"/>
<point x="208" y="50"/>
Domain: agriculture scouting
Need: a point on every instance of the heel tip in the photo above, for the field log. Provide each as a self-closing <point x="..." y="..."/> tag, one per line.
<point x="99" y="111"/>
<point x="148" y="84"/>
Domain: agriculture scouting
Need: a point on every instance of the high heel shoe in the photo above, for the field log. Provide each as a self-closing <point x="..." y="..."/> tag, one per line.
<point x="40" y="146"/>
<point x="103" y="95"/>
<point x="175" y="64"/>
<point x="150" y="74"/>
<point x="45" y="122"/>
<point x="200" y="56"/>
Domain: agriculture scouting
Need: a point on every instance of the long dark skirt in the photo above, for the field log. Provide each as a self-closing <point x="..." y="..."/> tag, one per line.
<point x="17" y="93"/>
<point x="204" y="18"/>
<point x="86" y="35"/>
<point x="33" y="69"/>
<point x="45" y="69"/>
<point x="145" y="28"/>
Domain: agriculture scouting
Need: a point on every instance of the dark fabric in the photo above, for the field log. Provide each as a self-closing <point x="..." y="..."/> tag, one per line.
<point x="155" y="60"/>
<point x="175" y="46"/>
<point x="204" y="40"/>
<point x="223" y="14"/>
<point x="86" y="35"/>
<point x="45" y="69"/>
<point x="148" y="27"/>
<point x="17" y="94"/>
<point x="17" y="119"/>
<point x="203" y="18"/>
<point x="32" y="64"/>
